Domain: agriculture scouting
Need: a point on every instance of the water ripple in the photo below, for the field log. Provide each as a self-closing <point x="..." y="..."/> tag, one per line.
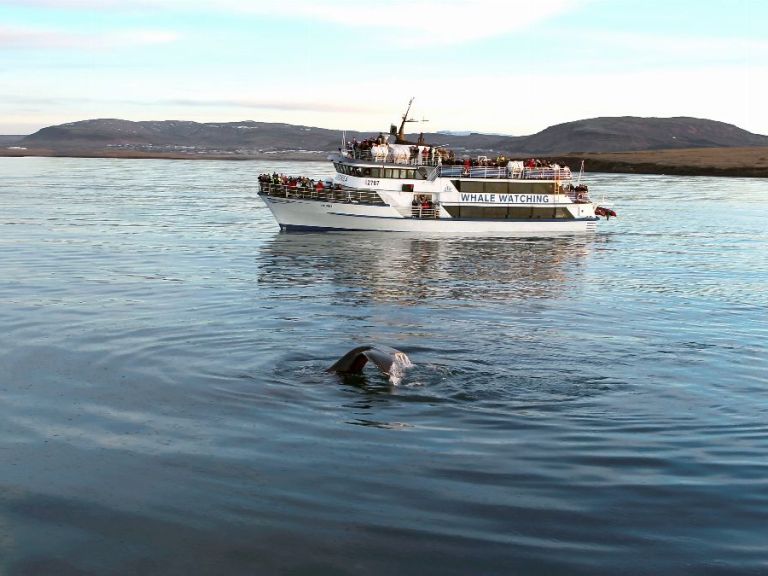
<point x="577" y="405"/>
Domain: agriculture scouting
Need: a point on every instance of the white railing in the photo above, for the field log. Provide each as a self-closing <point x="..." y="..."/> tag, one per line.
<point x="328" y="194"/>
<point x="425" y="213"/>
<point x="544" y="173"/>
<point x="389" y="158"/>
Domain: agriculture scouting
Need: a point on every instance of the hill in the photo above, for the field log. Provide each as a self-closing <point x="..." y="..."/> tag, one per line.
<point x="251" y="138"/>
<point x="89" y="134"/>
<point x="630" y="133"/>
<point x="7" y="140"/>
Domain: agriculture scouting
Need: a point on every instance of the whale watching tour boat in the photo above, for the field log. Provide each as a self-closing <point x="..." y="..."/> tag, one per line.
<point x="390" y="184"/>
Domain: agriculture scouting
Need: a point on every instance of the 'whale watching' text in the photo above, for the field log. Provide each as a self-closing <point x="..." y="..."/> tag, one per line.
<point x="506" y="198"/>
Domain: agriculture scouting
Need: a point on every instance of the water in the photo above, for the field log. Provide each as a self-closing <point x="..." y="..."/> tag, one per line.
<point x="577" y="406"/>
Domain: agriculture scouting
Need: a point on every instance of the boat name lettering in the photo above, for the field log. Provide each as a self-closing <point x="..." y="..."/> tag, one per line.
<point x="371" y="182"/>
<point x="506" y="198"/>
<point x="341" y="177"/>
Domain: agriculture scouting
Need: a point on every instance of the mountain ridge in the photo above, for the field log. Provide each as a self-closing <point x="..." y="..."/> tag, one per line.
<point x="601" y="134"/>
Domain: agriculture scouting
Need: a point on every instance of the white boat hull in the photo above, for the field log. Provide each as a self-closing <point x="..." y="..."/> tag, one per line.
<point x="299" y="214"/>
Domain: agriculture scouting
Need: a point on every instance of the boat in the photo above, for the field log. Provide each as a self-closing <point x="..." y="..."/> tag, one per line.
<point x="391" y="184"/>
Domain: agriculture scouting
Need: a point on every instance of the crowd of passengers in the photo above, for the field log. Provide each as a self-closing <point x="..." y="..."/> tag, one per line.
<point x="503" y="162"/>
<point x="368" y="143"/>
<point x="419" y="154"/>
<point x="299" y="183"/>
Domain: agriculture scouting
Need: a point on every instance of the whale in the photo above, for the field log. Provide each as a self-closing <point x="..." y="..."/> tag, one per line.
<point x="388" y="360"/>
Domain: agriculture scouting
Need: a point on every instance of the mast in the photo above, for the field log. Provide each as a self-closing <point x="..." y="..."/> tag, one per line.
<point x="401" y="132"/>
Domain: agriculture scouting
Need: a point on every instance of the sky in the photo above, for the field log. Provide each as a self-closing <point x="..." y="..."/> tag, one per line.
<point x="494" y="66"/>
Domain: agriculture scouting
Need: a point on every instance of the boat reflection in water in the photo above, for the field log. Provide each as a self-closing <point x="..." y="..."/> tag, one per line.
<point x="460" y="308"/>
<point x="386" y="267"/>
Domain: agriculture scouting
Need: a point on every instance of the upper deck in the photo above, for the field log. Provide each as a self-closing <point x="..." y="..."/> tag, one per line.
<point x="428" y="163"/>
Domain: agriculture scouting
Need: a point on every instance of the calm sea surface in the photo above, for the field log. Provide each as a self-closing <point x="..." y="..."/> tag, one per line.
<point x="594" y="405"/>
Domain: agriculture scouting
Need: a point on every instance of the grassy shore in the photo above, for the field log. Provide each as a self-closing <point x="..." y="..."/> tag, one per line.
<point x="740" y="162"/>
<point x="749" y="162"/>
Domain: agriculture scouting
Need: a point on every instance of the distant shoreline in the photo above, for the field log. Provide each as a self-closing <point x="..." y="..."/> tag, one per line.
<point x="751" y="162"/>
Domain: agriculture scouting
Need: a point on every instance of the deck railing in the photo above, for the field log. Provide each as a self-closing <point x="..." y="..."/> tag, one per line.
<point x="425" y="213"/>
<point x="328" y="194"/>
<point x="547" y="173"/>
<point x="579" y="197"/>
<point x="388" y="158"/>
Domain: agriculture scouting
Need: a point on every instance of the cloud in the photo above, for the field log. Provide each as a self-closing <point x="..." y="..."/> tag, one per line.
<point x="25" y="37"/>
<point x="427" y="22"/>
<point x="85" y="4"/>
<point x="681" y="47"/>
<point x="410" y="23"/>
<point x="406" y="23"/>
<point x="275" y="104"/>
